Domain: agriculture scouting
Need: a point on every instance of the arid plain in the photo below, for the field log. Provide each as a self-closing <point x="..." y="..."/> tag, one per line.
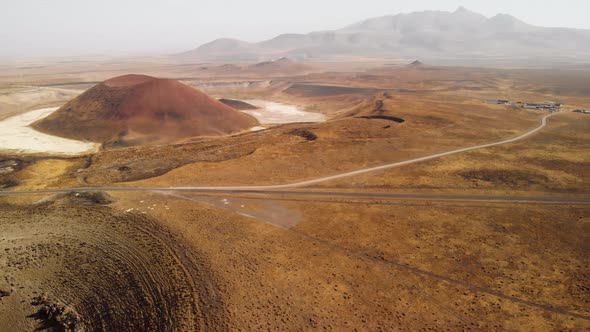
<point x="496" y="238"/>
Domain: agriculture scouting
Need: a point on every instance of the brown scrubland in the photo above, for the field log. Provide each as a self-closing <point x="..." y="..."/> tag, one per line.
<point x="492" y="239"/>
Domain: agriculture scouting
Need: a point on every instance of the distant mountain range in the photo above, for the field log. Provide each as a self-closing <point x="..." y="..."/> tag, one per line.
<point x="428" y="34"/>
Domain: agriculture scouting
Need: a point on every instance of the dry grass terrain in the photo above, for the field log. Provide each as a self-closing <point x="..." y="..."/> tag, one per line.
<point x="555" y="161"/>
<point x="355" y="141"/>
<point x="389" y="265"/>
<point x="102" y="269"/>
<point x="131" y="261"/>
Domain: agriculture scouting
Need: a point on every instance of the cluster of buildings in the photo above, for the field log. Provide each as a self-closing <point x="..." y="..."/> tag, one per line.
<point x="548" y="106"/>
<point x="499" y="102"/>
<point x="552" y="107"/>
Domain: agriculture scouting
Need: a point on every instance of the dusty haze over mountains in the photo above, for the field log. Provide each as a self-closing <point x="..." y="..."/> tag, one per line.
<point x="30" y="28"/>
<point x="428" y="34"/>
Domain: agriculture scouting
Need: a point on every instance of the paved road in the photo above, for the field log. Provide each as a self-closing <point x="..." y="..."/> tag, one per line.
<point x="318" y="194"/>
<point x="307" y="194"/>
<point x="274" y="189"/>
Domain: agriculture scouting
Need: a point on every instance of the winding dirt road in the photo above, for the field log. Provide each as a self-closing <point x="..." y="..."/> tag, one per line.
<point x="276" y="189"/>
<point x="377" y="168"/>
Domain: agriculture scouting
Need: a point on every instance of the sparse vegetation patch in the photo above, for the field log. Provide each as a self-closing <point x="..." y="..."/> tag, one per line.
<point x="308" y="135"/>
<point x="512" y="178"/>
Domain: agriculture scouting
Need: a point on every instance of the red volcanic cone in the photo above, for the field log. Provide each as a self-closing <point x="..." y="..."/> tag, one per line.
<point x="143" y="105"/>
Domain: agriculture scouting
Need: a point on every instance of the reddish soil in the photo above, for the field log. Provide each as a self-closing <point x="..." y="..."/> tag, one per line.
<point x="127" y="80"/>
<point x="143" y="106"/>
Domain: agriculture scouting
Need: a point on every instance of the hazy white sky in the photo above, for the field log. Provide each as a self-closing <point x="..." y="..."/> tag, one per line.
<point x="77" y="27"/>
